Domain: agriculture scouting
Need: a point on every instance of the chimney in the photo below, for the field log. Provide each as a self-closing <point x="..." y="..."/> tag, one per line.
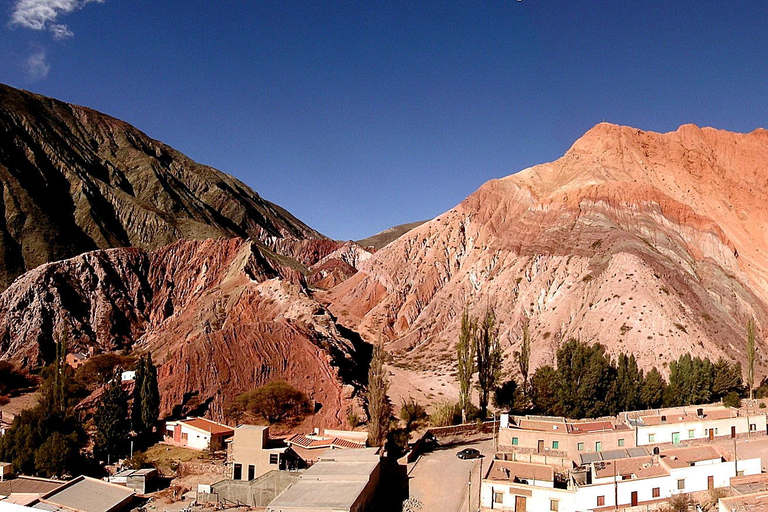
<point x="700" y="412"/>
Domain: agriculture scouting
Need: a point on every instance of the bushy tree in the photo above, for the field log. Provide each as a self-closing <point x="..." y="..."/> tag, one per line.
<point x="652" y="391"/>
<point x="584" y="378"/>
<point x="276" y="402"/>
<point x="544" y="391"/>
<point x="489" y="358"/>
<point x="411" y="412"/>
<point x="726" y="379"/>
<point x="629" y="383"/>
<point x="111" y="420"/>
<point x="505" y="396"/>
<point x="99" y="369"/>
<point x="690" y="381"/>
<point x="379" y="407"/>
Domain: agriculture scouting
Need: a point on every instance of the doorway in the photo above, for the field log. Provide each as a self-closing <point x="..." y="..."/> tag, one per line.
<point x="633" y="499"/>
<point x="541" y="446"/>
<point x="520" y="503"/>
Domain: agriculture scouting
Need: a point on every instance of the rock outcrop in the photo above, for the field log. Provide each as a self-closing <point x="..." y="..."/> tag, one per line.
<point x="74" y="180"/>
<point x="649" y="243"/>
<point x="219" y="317"/>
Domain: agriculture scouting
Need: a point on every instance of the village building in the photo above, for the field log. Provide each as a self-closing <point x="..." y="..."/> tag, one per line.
<point x="140" y="480"/>
<point x="559" y="437"/>
<point x="310" y="447"/>
<point x="753" y="502"/>
<point x="25" y="490"/>
<point x="197" y="433"/>
<point x="341" y="481"/>
<point x="252" y="453"/>
<point x="640" y="479"/>
<point x="76" y="359"/>
<point x="679" y="424"/>
<point x="85" y="494"/>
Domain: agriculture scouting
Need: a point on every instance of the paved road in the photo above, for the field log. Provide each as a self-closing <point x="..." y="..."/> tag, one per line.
<point x="439" y="480"/>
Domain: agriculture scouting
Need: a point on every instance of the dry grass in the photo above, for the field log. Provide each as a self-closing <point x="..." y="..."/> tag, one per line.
<point x="166" y="458"/>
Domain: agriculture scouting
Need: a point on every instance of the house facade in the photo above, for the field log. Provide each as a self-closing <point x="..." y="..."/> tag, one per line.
<point x="602" y="485"/>
<point x="252" y="455"/>
<point x="196" y="433"/>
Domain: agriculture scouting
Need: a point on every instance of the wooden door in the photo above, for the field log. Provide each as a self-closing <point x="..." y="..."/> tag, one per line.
<point x="633" y="499"/>
<point x="541" y="446"/>
<point x="675" y="437"/>
<point x="733" y="431"/>
<point x="177" y="433"/>
<point x="710" y="482"/>
<point x="711" y="434"/>
<point x="520" y="503"/>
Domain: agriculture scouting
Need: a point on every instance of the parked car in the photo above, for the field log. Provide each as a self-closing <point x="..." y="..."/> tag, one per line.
<point x="468" y="453"/>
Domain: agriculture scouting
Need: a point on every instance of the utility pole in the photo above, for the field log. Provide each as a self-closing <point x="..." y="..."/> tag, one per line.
<point x="469" y="492"/>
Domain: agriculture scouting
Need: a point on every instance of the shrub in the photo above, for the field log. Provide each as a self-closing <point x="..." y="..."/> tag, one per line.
<point x="411" y="413"/>
<point x="353" y="419"/>
<point x="445" y="414"/>
<point x="732" y="399"/>
<point x="275" y="402"/>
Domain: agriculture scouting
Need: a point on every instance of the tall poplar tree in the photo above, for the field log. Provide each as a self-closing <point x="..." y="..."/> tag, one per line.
<point x="751" y="353"/>
<point x="146" y="396"/>
<point x="379" y="408"/>
<point x="489" y="358"/>
<point x="465" y="360"/>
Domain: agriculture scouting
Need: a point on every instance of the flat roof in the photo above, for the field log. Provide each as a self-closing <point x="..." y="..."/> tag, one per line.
<point x="639" y="467"/>
<point x="756" y="502"/>
<point x="336" y="471"/>
<point x="87" y="495"/>
<point x="682" y="457"/>
<point x="318" y="494"/>
<point x="351" y="455"/>
<point x="514" y="471"/>
<point x="29" y="485"/>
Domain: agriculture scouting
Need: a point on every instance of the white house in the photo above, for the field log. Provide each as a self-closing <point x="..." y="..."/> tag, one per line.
<point x="196" y="433"/>
<point x="679" y="424"/>
<point x="635" y="481"/>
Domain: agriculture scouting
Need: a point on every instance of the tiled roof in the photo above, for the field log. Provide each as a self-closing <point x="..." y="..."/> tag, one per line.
<point x="208" y="426"/>
<point x="515" y="471"/>
<point x="28" y="485"/>
<point x="682" y="457"/>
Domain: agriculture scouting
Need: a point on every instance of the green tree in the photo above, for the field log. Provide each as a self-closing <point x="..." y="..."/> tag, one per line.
<point x="57" y="455"/>
<point x="751" y="355"/>
<point x="652" y="391"/>
<point x="465" y="359"/>
<point x="726" y="379"/>
<point x="379" y="407"/>
<point x="111" y="420"/>
<point x="584" y="379"/>
<point x="629" y="383"/>
<point x="489" y="359"/>
<point x="690" y="381"/>
<point x="276" y="402"/>
<point x="146" y="397"/>
<point x="523" y="357"/>
<point x="544" y="391"/>
<point x="506" y="396"/>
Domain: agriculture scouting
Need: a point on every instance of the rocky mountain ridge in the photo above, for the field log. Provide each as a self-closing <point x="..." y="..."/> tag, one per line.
<point x="74" y="180"/>
<point x="648" y="243"/>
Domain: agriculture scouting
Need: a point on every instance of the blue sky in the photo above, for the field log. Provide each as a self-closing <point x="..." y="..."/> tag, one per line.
<point x="357" y="116"/>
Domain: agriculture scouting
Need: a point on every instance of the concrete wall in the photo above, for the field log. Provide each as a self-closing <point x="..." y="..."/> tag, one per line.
<point x="256" y="493"/>
<point x="536" y="498"/>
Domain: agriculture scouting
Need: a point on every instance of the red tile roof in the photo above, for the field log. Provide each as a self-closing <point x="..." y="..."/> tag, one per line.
<point x="208" y="426"/>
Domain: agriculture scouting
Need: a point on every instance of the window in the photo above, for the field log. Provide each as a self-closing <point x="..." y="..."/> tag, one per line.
<point x="237" y="474"/>
<point x="498" y="497"/>
<point x="740" y="472"/>
<point x="752" y="427"/>
<point x="251" y="471"/>
<point x="515" y="441"/>
<point x="691" y="434"/>
<point x="580" y="447"/>
<point x="656" y="492"/>
<point x="555" y="445"/>
<point x="554" y="505"/>
<point x="601" y="501"/>
<point x="184" y="437"/>
<point x="273" y="457"/>
<point x="715" y="430"/>
<point x="621" y="442"/>
<point x="651" y="438"/>
<point x="598" y="446"/>
<point x="681" y="484"/>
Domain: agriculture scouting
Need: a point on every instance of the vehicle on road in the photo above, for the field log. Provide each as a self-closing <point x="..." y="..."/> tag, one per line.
<point x="468" y="453"/>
